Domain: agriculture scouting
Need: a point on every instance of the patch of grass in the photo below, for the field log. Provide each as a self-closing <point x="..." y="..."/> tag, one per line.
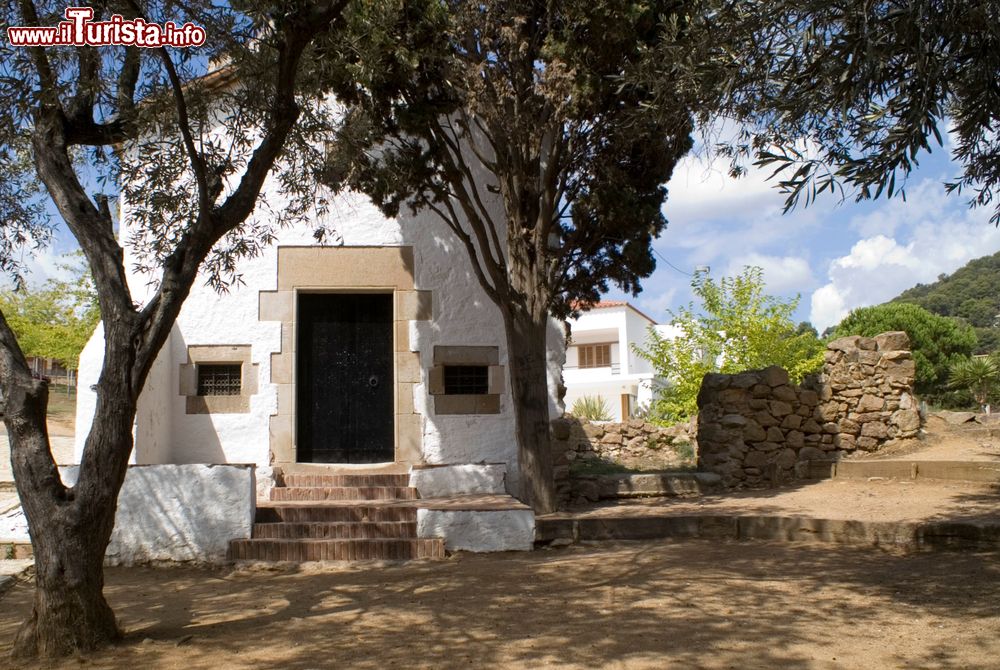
<point x="62" y="405"/>
<point x="685" y="450"/>
<point x="597" y="467"/>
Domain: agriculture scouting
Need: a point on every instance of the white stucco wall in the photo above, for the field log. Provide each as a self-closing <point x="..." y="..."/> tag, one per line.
<point x="91" y="362"/>
<point x="179" y="512"/>
<point x="630" y="374"/>
<point x="152" y="425"/>
<point x="467" y="478"/>
<point x="479" y="531"/>
<point x="462" y="315"/>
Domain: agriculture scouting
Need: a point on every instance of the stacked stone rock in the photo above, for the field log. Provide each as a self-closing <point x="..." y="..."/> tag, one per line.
<point x="579" y="439"/>
<point x="757" y="429"/>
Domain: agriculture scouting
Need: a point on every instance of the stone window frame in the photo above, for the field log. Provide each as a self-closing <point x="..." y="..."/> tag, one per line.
<point x="448" y="404"/>
<point x="218" y="354"/>
<point x="346" y="269"/>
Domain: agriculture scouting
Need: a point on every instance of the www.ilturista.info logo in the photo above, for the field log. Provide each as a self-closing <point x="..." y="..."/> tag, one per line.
<point x="80" y="30"/>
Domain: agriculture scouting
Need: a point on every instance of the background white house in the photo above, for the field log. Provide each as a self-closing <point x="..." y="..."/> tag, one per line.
<point x="601" y="360"/>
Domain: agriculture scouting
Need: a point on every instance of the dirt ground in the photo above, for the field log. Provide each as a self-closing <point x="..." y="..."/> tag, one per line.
<point x="942" y="441"/>
<point x="689" y="604"/>
<point x="863" y="500"/>
<point x="628" y="605"/>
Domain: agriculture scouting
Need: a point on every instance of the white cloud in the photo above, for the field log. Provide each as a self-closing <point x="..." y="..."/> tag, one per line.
<point x="926" y="236"/>
<point x="657" y="304"/>
<point x="783" y="275"/>
<point x="37" y="266"/>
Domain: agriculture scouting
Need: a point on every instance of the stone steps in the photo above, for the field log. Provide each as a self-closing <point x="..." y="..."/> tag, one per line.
<point x="903" y="534"/>
<point x="358" y="530"/>
<point x="332" y="513"/>
<point x="260" y="549"/>
<point x="342" y="480"/>
<point x="338" y="517"/>
<point x="310" y="493"/>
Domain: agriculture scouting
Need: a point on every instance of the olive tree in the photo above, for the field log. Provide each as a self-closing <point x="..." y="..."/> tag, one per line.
<point x="520" y="125"/>
<point x="192" y="153"/>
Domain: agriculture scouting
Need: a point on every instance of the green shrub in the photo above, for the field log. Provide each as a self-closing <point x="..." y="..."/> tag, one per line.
<point x="592" y="408"/>
<point x="937" y="342"/>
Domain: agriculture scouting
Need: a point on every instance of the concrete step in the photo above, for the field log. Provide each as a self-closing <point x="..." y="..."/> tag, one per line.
<point x="968" y="471"/>
<point x="336" y="531"/>
<point x="903" y="534"/>
<point x="335" y="550"/>
<point x="339" y="480"/>
<point x="361" y="493"/>
<point x="658" y="484"/>
<point x="332" y="513"/>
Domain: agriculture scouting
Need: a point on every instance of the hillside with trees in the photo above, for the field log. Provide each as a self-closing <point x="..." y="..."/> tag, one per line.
<point x="971" y="293"/>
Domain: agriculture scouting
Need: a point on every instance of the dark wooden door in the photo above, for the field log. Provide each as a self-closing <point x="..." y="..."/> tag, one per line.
<point x="345" y="378"/>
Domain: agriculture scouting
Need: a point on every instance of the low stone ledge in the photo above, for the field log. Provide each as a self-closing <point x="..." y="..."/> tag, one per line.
<point x="967" y="471"/>
<point x="665" y="484"/>
<point x="479" y="531"/>
<point x="902" y="534"/>
<point x="463" y="479"/>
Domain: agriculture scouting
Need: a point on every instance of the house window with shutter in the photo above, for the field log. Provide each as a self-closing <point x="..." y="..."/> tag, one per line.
<point x="594" y="355"/>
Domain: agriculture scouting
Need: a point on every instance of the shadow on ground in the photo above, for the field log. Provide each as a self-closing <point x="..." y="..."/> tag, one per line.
<point x="656" y="604"/>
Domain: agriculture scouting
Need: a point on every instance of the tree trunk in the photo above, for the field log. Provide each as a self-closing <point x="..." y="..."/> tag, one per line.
<point x="71" y="527"/>
<point x="528" y="370"/>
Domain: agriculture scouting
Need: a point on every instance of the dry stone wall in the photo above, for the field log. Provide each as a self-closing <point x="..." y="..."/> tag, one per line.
<point x="633" y="444"/>
<point x="756" y="429"/>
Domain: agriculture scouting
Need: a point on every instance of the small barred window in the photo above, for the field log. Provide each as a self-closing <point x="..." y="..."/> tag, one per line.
<point x="220" y="379"/>
<point x="466" y="379"/>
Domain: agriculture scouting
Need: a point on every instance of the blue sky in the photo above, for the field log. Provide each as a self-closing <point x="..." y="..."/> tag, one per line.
<point x="837" y="255"/>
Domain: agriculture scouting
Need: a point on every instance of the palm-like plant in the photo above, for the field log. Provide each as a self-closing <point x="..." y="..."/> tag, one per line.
<point x="592" y="408"/>
<point x="979" y="376"/>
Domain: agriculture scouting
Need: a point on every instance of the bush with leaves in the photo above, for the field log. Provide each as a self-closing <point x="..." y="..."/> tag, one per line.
<point x="937" y="342"/>
<point x="739" y="328"/>
<point x="56" y="319"/>
<point x="979" y="376"/>
<point x="592" y="408"/>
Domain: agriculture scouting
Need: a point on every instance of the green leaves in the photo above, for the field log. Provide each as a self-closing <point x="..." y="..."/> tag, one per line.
<point x="979" y="376"/>
<point x="54" y="320"/>
<point x="937" y="342"/>
<point x="864" y="86"/>
<point x="739" y="327"/>
<point x="592" y="408"/>
<point x="518" y="123"/>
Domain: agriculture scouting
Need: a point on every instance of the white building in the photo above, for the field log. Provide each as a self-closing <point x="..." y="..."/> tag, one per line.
<point x="601" y="359"/>
<point x="380" y="354"/>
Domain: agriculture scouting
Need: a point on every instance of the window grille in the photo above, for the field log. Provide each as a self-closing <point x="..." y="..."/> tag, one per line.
<point x="466" y="379"/>
<point x="220" y="379"/>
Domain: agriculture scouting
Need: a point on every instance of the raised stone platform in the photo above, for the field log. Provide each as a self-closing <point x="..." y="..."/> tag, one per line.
<point x="902" y="534"/>
<point x="877" y="511"/>
<point x="657" y="484"/>
<point x="967" y="471"/>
